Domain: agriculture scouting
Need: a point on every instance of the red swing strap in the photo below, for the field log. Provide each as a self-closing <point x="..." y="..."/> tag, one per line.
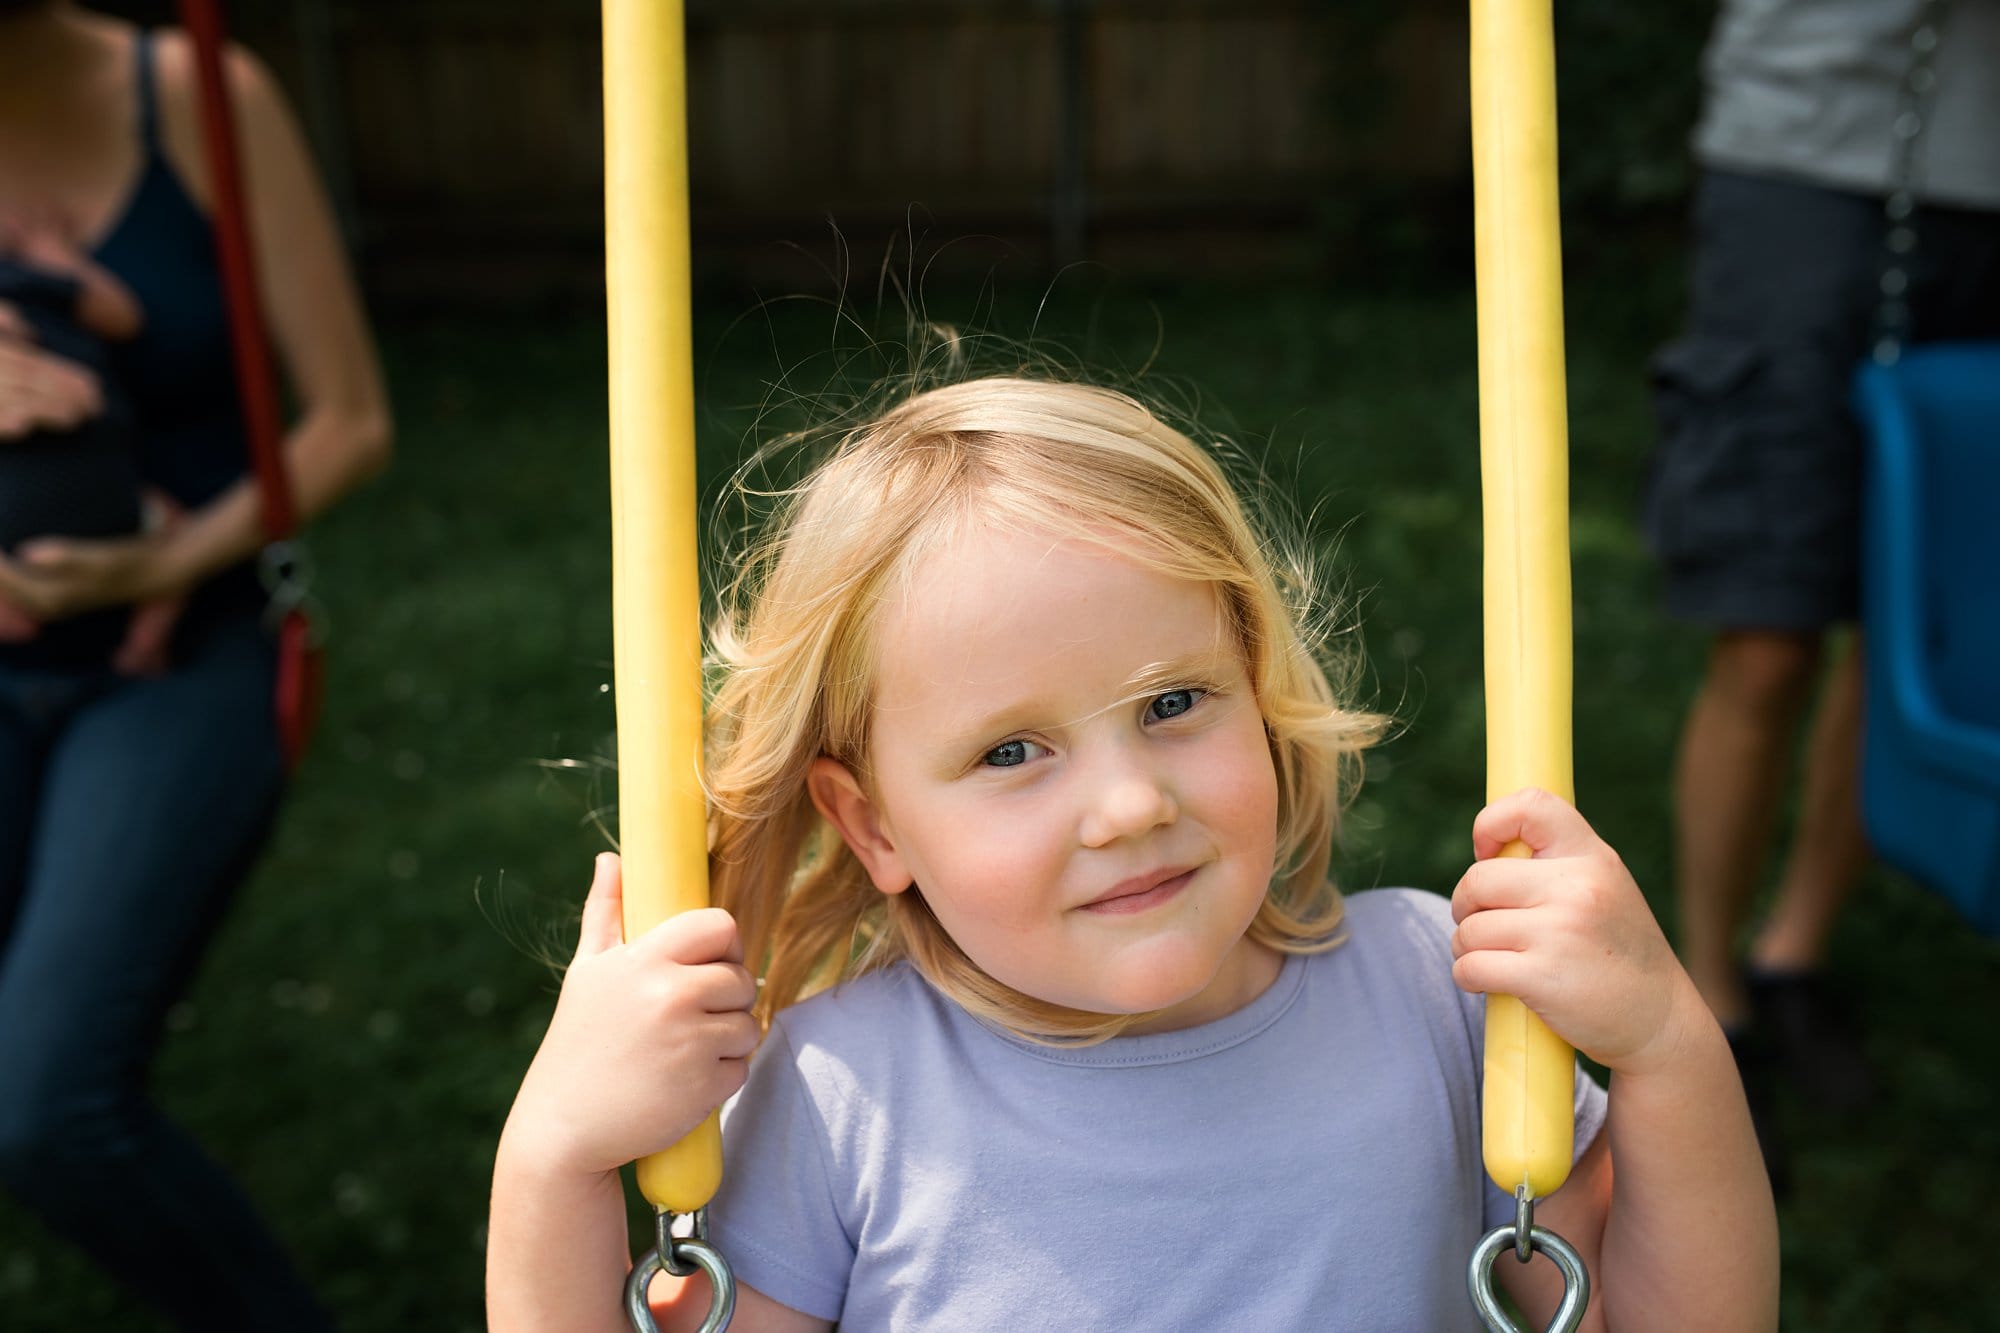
<point x="283" y="564"/>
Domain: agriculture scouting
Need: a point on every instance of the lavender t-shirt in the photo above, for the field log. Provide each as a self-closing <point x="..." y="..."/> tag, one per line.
<point x="1311" y="1161"/>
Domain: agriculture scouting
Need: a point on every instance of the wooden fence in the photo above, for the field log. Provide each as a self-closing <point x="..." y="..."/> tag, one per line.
<point x="463" y="136"/>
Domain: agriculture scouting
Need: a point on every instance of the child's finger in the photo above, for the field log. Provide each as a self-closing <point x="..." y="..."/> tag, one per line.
<point x="1507" y="930"/>
<point x="724" y="988"/>
<point x="705" y="935"/>
<point x="603" y="910"/>
<point x="1496" y="972"/>
<point x="1499" y="882"/>
<point x="732" y="1036"/>
<point x="1549" y="825"/>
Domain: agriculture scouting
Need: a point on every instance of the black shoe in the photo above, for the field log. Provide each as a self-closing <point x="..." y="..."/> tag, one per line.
<point x="1812" y="1036"/>
<point x="1754" y="1066"/>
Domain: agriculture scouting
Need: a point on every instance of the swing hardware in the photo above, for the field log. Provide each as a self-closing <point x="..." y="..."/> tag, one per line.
<point x="681" y="1256"/>
<point x="1525" y="1238"/>
<point x="285" y="568"/>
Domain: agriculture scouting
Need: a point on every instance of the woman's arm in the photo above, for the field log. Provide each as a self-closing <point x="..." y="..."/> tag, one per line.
<point x="341" y="436"/>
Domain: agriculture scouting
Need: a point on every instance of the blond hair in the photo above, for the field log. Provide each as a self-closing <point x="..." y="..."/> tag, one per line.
<point x="793" y="647"/>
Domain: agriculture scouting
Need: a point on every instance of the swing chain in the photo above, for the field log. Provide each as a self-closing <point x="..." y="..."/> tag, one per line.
<point x="1524" y="1237"/>
<point x="1899" y="207"/>
<point x="681" y="1256"/>
<point x="1524" y="1224"/>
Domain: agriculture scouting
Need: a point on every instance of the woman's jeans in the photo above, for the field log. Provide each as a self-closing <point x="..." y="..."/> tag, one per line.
<point x="130" y="810"/>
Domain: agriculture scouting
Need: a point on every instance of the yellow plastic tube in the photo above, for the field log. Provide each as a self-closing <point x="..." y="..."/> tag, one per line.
<point x="1523" y="431"/>
<point x="656" y="583"/>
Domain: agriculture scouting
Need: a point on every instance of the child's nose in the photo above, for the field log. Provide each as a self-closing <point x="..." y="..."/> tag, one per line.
<point x="1126" y="799"/>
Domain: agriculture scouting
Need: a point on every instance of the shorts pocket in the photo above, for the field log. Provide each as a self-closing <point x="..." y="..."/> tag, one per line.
<point x="1702" y="502"/>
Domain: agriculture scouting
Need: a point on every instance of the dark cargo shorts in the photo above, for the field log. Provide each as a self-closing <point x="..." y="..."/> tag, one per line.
<point x="1753" y="503"/>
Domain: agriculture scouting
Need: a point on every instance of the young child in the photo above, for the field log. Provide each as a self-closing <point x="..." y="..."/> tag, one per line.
<point x="83" y="481"/>
<point x="1023" y="746"/>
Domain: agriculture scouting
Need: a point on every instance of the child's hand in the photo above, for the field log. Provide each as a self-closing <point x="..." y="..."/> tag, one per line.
<point x="1568" y="933"/>
<point x="647" y="1039"/>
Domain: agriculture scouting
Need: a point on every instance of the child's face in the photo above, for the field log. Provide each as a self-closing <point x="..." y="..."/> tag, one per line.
<point x="1069" y="760"/>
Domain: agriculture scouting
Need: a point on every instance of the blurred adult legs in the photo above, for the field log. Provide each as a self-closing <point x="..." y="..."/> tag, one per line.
<point x="1734" y="759"/>
<point x="154" y="797"/>
<point x="1828" y="846"/>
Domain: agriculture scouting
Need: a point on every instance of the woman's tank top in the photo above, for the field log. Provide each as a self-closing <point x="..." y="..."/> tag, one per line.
<point x="178" y="374"/>
<point x="178" y="378"/>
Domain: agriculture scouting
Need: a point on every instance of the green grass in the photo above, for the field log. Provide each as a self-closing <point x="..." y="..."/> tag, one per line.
<point x="353" y="1043"/>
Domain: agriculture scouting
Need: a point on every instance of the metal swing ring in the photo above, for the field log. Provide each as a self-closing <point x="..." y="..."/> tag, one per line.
<point x="1524" y="1238"/>
<point x="285" y="568"/>
<point x="680" y="1256"/>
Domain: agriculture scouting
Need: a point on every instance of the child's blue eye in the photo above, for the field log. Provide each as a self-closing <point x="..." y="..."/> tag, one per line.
<point x="1007" y="754"/>
<point x="1174" y="702"/>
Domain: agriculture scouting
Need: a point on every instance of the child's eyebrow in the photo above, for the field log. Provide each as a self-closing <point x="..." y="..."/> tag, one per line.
<point x="1202" y="668"/>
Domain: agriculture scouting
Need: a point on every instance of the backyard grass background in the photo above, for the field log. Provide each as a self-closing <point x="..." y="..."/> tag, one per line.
<point x="353" y="1043"/>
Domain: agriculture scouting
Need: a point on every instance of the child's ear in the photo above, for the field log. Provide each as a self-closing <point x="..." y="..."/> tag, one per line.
<point x="845" y="803"/>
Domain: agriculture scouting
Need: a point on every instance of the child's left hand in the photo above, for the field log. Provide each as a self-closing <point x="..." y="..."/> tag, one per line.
<point x="1568" y="933"/>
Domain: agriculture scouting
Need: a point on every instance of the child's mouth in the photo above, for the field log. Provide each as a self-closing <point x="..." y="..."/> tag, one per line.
<point x="1139" y="897"/>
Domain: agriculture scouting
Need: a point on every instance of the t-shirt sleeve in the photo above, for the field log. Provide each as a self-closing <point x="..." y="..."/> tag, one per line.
<point x="775" y="1218"/>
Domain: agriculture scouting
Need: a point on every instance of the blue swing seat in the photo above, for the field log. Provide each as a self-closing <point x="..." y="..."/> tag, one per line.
<point x="1930" y="780"/>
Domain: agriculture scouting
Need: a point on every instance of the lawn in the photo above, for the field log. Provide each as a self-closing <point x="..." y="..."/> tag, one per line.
<point x="353" y="1043"/>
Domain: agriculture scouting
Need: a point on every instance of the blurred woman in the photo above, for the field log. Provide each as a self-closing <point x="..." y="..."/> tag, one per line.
<point x="131" y="805"/>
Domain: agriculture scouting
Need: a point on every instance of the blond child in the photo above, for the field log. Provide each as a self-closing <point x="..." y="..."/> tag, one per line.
<point x="1024" y="777"/>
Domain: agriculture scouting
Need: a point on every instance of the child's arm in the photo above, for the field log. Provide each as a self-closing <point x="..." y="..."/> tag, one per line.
<point x="1671" y="1207"/>
<point x="104" y="305"/>
<point x="647" y="1039"/>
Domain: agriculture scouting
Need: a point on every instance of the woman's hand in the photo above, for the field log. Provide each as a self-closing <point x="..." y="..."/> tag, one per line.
<point x="1568" y="933"/>
<point x="50" y="578"/>
<point x="647" y="1039"/>
<point x="42" y="237"/>
<point x="40" y="391"/>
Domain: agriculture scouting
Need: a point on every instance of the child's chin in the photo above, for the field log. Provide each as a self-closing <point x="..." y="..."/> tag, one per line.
<point x="1156" y="993"/>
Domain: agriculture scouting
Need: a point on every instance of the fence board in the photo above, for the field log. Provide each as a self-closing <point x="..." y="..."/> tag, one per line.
<point x="473" y="128"/>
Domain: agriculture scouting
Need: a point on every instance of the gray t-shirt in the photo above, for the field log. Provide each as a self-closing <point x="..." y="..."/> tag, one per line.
<point x="1310" y="1161"/>
<point x="1808" y="89"/>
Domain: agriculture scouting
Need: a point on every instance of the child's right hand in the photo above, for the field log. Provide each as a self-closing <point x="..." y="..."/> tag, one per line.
<point x="648" y="1038"/>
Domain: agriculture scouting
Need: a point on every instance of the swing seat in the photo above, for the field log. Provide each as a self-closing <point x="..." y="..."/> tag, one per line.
<point x="1930" y="781"/>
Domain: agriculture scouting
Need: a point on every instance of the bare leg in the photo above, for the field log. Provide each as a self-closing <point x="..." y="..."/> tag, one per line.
<point x="1828" y="848"/>
<point x="1734" y="758"/>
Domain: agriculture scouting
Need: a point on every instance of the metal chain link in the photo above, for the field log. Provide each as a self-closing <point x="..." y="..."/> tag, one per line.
<point x="1899" y="209"/>
<point x="681" y="1256"/>
<point x="1526" y="1240"/>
